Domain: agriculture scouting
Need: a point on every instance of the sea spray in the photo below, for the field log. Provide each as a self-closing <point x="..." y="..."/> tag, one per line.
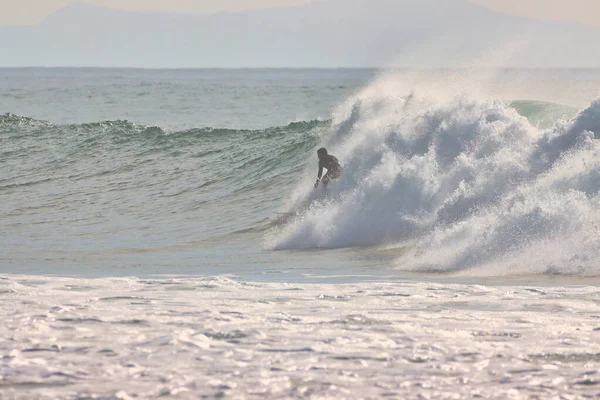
<point x="469" y="183"/>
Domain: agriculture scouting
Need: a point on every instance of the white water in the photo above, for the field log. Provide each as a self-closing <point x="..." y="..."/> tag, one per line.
<point x="465" y="182"/>
<point x="212" y="337"/>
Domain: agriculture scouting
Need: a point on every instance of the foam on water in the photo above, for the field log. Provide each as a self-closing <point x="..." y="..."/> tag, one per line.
<point x="123" y="338"/>
<point x="465" y="181"/>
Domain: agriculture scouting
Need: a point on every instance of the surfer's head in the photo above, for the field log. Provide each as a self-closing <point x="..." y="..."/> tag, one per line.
<point x="322" y="152"/>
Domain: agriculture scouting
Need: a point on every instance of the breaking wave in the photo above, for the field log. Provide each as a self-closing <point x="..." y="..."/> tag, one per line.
<point x="467" y="185"/>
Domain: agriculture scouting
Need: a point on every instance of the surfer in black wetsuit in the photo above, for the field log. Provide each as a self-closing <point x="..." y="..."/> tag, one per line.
<point x="331" y="164"/>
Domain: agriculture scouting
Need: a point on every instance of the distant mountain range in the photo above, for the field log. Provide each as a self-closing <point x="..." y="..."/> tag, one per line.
<point x="325" y="33"/>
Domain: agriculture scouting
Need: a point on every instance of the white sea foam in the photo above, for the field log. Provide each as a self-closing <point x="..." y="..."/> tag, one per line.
<point x="466" y="181"/>
<point x="213" y="338"/>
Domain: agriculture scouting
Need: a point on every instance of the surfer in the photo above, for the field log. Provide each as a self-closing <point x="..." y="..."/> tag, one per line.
<point x="331" y="164"/>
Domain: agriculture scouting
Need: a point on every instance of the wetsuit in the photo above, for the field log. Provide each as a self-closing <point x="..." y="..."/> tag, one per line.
<point x="333" y="167"/>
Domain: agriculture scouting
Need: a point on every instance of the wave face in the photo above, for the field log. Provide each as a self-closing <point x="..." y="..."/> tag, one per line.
<point x="81" y="198"/>
<point x="77" y="151"/>
<point x="467" y="185"/>
<point x="121" y="157"/>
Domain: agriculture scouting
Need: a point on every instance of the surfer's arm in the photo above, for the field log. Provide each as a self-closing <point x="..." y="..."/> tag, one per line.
<point x="319" y="175"/>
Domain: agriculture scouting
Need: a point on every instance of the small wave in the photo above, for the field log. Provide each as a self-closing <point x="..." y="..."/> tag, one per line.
<point x="124" y="127"/>
<point x="24" y="184"/>
<point x="12" y="119"/>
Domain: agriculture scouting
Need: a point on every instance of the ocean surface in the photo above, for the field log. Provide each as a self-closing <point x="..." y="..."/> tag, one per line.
<point x="160" y="235"/>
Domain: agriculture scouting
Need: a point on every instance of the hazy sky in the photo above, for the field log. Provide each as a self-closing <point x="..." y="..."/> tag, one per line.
<point x="26" y="12"/>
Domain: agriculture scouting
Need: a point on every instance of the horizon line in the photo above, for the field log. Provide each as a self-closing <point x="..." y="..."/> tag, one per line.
<point x="291" y="68"/>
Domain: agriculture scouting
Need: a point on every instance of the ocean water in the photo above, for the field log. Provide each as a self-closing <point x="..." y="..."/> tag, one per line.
<point x="160" y="235"/>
